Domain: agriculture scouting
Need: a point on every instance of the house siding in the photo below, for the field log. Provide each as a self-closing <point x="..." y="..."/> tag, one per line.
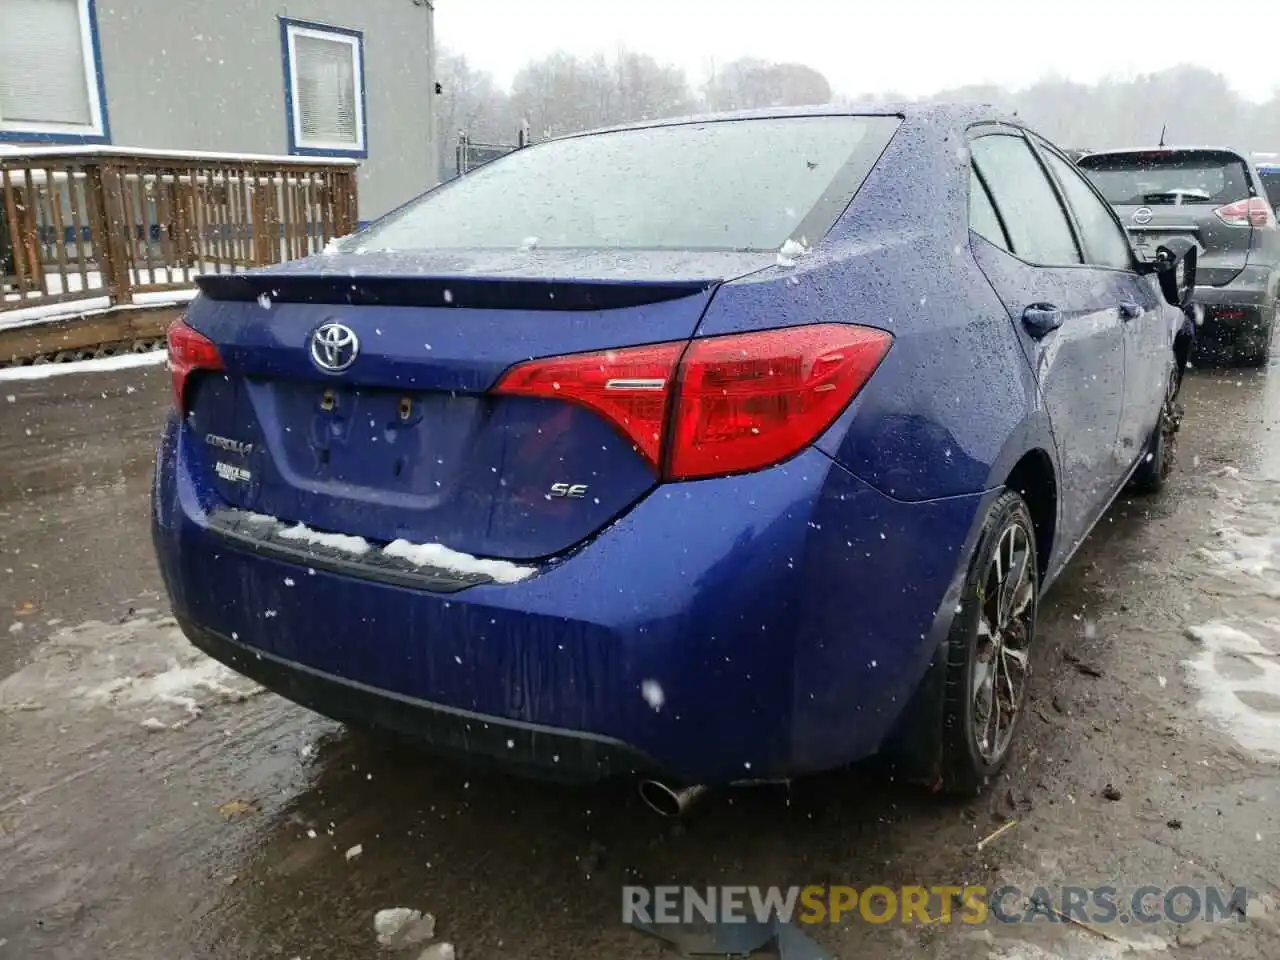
<point x="211" y="77"/>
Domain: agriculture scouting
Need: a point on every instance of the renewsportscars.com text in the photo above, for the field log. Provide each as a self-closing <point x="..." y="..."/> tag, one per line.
<point x="936" y="904"/>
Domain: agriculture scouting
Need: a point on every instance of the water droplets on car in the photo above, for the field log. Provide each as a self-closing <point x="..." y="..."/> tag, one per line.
<point x="651" y="690"/>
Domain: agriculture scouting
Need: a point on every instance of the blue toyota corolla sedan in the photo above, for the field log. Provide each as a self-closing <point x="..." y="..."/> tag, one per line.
<point x="704" y="451"/>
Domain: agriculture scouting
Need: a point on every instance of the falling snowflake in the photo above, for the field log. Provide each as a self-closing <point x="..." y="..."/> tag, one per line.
<point x="651" y="690"/>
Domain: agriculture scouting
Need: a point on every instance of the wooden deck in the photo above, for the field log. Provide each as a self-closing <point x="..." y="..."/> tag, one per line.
<point x="84" y="231"/>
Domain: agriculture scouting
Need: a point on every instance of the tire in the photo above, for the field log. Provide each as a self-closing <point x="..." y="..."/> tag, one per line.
<point x="973" y="701"/>
<point x="1157" y="463"/>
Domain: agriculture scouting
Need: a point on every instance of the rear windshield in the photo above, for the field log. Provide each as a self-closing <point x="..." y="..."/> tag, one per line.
<point x="723" y="185"/>
<point x="1168" y="177"/>
<point x="1271" y="181"/>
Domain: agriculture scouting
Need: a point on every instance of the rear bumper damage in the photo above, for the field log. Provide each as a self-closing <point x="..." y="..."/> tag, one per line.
<point x="751" y="627"/>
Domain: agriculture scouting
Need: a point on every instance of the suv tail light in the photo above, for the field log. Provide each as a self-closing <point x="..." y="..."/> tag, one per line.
<point x="718" y="405"/>
<point x="189" y="352"/>
<point x="1252" y="212"/>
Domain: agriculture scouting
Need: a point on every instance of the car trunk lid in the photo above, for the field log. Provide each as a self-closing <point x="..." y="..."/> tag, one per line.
<point x="405" y="442"/>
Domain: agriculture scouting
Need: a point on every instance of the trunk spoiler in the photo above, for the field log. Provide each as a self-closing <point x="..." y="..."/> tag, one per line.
<point x="477" y="293"/>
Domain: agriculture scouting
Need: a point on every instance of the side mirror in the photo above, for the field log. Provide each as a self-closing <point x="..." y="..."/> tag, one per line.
<point x="1175" y="267"/>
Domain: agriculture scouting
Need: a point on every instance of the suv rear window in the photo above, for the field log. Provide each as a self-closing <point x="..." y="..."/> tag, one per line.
<point x="1271" y="181"/>
<point x="718" y="185"/>
<point x="1158" y="177"/>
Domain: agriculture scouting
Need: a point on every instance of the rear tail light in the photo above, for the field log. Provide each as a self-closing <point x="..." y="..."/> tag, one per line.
<point x="719" y="405"/>
<point x="189" y="352"/>
<point x="1252" y="212"/>
<point x="629" y="388"/>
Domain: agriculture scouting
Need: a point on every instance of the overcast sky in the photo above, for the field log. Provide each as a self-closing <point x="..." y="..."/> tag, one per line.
<point x="910" y="46"/>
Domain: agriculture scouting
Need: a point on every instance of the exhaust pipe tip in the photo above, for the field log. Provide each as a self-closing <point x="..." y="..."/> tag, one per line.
<point x="665" y="801"/>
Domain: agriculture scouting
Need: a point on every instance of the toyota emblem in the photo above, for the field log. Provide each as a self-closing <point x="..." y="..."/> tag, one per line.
<point x="1142" y="215"/>
<point x="334" y="347"/>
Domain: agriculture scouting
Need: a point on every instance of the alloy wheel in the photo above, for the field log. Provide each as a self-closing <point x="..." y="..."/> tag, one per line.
<point x="1001" y="666"/>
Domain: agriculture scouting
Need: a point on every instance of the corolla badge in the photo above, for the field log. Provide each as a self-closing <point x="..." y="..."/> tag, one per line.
<point x="334" y="347"/>
<point x="1142" y="215"/>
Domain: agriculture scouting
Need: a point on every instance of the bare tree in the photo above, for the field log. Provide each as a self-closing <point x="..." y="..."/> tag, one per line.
<point x="470" y="102"/>
<point x="751" y="83"/>
<point x="648" y="90"/>
<point x="562" y="93"/>
<point x="1191" y="104"/>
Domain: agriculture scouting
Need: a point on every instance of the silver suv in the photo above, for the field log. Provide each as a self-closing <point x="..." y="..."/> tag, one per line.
<point x="1217" y="198"/>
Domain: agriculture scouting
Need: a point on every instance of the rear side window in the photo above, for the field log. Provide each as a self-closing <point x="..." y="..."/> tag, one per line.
<point x="982" y="215"/>
<point x="1155" y="177"/>
<point x="1106" y="243"/>
<point x="726" y="185"/>
<point x="1038" y="229"/>
<point x="1271" y="182"/>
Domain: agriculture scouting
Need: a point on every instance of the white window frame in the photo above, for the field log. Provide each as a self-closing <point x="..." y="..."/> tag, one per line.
<point x="97" y="127"/>
<point x="298" y="144"/>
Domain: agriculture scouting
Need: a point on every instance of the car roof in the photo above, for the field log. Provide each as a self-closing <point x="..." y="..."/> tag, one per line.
<point x="1169" y="149"/>
<point x="949" y="114"/>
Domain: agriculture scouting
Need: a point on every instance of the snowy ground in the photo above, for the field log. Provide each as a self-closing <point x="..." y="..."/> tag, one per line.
<point x="153" y="805"/>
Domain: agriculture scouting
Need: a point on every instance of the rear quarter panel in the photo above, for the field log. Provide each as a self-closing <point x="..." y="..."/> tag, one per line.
<point x="954" y="404"/>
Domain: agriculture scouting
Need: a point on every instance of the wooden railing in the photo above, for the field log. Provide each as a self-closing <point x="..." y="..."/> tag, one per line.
<point x="121" y="227"/>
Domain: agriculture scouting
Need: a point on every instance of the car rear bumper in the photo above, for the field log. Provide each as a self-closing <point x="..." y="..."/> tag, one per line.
<point x="1253" y="289"/>
<point x="538" y="751"/>
<point x="785" y="617"/>
<point x="1237" y="316"/>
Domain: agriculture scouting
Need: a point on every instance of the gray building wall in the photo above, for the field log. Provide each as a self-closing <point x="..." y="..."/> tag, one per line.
<point x="209" y="75"/>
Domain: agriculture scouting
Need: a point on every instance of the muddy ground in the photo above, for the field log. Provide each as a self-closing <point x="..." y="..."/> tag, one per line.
<point x="153" y="806"/>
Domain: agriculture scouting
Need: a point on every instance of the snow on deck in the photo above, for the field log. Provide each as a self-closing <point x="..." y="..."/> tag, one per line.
<point x="49" y="312"/>
<point x="10" y="150"/>
<point x="43" y="371"/>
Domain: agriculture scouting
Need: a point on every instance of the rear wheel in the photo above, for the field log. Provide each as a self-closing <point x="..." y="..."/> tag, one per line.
<point x="989" y="649"/>
<point x="1157" y="464"/>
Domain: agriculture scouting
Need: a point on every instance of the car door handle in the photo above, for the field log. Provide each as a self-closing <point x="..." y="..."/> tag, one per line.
<point x="1041" y="319"/>
<point x="1130" y="310"/>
